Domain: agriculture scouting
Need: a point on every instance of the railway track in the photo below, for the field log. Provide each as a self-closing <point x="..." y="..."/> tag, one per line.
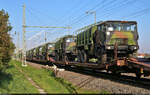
<point x="127" y="80"/>
<point x="124" y="79"/>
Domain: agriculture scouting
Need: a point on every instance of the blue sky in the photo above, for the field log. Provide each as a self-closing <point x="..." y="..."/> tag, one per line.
<point x="72" y="13"/>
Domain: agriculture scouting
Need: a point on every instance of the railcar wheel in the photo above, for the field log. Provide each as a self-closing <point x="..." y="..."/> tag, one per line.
<point x="116" y="73"/>
<point x="67" y="67"/>
<point x="93" y="70"/>
<point x="138" y="75"/>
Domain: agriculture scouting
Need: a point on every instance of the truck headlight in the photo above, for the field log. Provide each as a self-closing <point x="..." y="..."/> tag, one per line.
<point x="108" y="47"/>
<point x="135" y="47"/>
<point x="107" y="33"/>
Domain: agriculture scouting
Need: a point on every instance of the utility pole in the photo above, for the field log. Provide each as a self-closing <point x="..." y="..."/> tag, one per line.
<point x="92" y="12"/>
<point x="18" y="45"/>
<point x="45" y="37"/>
<point x="24" y="41"/>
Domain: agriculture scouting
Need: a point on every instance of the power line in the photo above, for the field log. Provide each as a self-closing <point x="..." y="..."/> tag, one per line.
<point x="34" y="16"/>
<point x="97" y="4"/>
<point x="104" y="3"/>
<point x="72" y="10"/>
<point x="105" y="8"/>
<point x="125" y="4"/>
<point x="82" y="7"/>
<point x="85" y="4"/>
<point x="37" y="17"/>
<point x="83" y="15"/>
<point x="138" y="13"/>
<point x="79" y="8"/>
<point x="43" y="14"/>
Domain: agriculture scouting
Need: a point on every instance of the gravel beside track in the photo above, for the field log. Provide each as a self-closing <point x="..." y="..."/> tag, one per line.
<point x="100" y="84"/>
<point x="104" y="82"/>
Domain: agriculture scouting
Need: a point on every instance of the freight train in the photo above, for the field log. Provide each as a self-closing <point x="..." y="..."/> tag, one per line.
<point x="109" y="43"/>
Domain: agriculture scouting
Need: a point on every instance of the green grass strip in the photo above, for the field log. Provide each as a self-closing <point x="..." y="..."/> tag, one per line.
<point x="13" y="82"/>
<point x="51" y="84"/>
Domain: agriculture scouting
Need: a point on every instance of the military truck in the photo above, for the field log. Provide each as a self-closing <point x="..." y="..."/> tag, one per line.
<point x="29" y="55"/>
<point x="107" y="40"/>
<point x="65" y="48"/>
<point x="41" y="53"/>
<point x="47" y="51"/>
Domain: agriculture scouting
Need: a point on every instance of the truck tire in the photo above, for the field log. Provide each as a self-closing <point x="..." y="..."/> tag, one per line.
<point x="57" y="57"/>
<point x="79" y="56"/>
<point x="84" y="56"/>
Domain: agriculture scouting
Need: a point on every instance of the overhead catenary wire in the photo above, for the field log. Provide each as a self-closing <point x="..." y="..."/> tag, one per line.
<point x="30" y="12"/>
<point x="35" y="11"/>
<point x="103" y="0"/>
<point x="77" y="19"/>
<point x="103" y="5"/>
<point x="138" y="13"/>
<point x="107" y="11"/>
<point x="125" y="4"/>
<point x="58" y="21"/>
<point x="79" y="9"/>
<point x="36" y="17"/>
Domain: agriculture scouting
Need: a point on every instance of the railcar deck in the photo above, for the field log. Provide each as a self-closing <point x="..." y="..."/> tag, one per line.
<point x="131" y="65"/>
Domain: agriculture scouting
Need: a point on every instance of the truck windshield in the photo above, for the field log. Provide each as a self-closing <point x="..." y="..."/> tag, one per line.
<point x="50" y="46"/>
<point x="68" y="40"/>
<point x="121" y="27"/>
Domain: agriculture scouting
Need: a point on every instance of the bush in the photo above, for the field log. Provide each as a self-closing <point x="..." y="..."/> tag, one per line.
<point x="6" y="45"/>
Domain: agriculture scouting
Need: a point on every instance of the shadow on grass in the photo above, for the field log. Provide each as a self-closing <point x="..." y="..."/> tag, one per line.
<point x="67" y="85"/>
<point x="5" y="79"/>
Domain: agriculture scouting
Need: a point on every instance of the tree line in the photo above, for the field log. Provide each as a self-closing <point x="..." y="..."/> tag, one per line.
<point x="6" y="45"/>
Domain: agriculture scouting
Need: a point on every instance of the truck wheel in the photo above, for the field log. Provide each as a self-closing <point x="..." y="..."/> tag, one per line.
<point x="79" y="56"/>
<point x="57" y="57"/>
<point x="84" y="57"/>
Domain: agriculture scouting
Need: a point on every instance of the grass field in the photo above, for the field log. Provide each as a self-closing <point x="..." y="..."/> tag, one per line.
<point x="14" y="82"/>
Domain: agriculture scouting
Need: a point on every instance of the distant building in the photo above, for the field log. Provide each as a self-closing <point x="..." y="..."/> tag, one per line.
<point x="142" y="55"/>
